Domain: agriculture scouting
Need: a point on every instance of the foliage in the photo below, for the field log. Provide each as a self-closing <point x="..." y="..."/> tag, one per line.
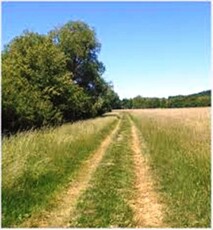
<point x="79" y="44"/>
<point x="49" y="79"/>
<point x="126" y="103"/>
<point x="193" y="100"/>
<point x="201" y="99"/>
<point x="26" y="76"/>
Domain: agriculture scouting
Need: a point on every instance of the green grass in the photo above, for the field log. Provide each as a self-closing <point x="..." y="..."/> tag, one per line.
<point x="104" y="203"/>
<point x="180" y="158"/>
<point x="36" y="165"/>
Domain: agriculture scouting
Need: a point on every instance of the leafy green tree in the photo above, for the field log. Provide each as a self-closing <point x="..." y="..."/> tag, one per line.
<point x="23" y="106"/>
<point x="81" y="47"/>
<point x="137" y="102"/>
<point x="49" y="79"/>
<point x="154" y="102"/>
<point x="163" y="103"/>
<point x="110" y="99"/>
<point x="115" y="101"/>
<point x="127" y="103"/>
<point x="78" y="42"/>
<point x="32" y="71"/>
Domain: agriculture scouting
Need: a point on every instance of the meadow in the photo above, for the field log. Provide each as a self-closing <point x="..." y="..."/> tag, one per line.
<point x="178" y="146"/>
<point x="36" y="164"/>
<point x="128" y="168"/>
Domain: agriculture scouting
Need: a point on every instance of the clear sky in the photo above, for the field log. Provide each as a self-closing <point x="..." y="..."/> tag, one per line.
<point x="148" y="48"/>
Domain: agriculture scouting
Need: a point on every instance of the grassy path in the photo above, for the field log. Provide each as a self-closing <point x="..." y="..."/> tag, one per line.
<point x="59" y="216"/>
<point x="139" y="171"/>
<point x="146" y="205"/>
<point x="105" y="202"/>
<point x="121" y="192"/>
<point x="113" y="187"/>
<point x="38" y="165"/>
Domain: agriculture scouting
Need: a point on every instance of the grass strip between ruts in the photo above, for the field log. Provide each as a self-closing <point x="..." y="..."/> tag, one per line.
<point x="105" y="202"/>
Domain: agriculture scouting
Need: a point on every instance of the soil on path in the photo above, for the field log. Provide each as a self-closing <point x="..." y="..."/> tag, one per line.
<point x="148" y="211"/>
<point x="66" y="202"/>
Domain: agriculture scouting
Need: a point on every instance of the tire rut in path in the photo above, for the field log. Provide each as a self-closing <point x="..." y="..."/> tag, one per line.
<point x="66" y="202"/>
<point x="146" y="206"/>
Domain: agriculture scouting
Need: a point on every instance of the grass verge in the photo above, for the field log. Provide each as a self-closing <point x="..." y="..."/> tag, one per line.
<point x="180" y="159"/>
<point x="36" y="165"/>
<point x="104" y="203"/>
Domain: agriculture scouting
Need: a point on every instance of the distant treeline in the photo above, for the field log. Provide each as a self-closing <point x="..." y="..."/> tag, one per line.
<point x="201" y="99"/>
<point x="53" y="78"/>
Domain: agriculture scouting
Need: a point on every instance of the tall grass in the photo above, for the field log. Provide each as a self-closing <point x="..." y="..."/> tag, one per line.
<point x="178" y="144"/>
<point x="35" y="165"/>
<point x="104" y="203"/>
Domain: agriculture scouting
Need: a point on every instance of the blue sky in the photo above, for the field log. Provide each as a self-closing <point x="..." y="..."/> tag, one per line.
<point x="148" y="48"/>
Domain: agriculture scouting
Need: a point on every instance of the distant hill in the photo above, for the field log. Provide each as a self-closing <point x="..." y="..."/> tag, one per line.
<point x="201" y="99"/>
<point x="203" y="93"/>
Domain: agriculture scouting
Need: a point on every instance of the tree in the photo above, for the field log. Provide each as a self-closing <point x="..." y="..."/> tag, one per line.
<point x="127" y="103"/>
<point x="32" y="72"/>
<point x="54" y="78"/>
<point x="23" y="106"/>
<point x="79" y="44"/>
<point x="110" y="99"/>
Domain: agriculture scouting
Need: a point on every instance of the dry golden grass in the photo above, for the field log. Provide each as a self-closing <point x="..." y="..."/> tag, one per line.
<point x="194" y="122"/>
<point x="198" y="118"/>
<point x="178" y="143"/>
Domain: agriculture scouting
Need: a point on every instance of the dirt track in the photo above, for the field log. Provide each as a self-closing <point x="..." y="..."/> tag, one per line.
<point x="145" y="203"/>
<point x="146" y="206"/>
<point x="66" y="202"/>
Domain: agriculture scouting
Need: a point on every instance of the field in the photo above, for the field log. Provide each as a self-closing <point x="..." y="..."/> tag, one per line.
<point x="129" y="168"/>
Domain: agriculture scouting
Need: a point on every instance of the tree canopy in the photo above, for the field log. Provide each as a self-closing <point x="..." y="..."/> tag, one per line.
<point x="50" y="79"/>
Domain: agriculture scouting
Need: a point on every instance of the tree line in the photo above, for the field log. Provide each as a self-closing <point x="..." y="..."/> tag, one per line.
<point x="54" y="78"/>
<point x="201" y="99"/>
